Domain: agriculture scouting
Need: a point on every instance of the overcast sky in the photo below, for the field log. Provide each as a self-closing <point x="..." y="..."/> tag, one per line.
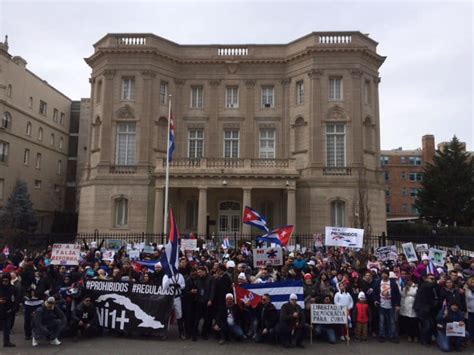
<point x="427" y="78"/>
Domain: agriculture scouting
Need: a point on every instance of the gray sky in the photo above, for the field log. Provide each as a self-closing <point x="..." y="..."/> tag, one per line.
<point x="427" y="79"/>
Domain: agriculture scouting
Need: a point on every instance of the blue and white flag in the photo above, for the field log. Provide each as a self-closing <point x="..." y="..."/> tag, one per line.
<point x="279" y="291"/>
<point x="226" y="243"/>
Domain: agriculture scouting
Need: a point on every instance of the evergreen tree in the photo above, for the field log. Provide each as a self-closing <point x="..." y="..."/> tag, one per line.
<point x="18" y="213"/>
<point x="447" y="192"/>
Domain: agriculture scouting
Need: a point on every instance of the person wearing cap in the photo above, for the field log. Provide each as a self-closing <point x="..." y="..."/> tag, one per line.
<point x="424" y="268"/>
<point x="229" y="321"/>
<point x="177" y="284"/>
<point x="84" y="320"/>
<point x="387" y="299"/>
<point x="242" y="279"/>
<point x="361" y="316"/>
<point x="48" y="322"/>
<point x="157" y="276"/>
<point x="8" y="306"/>
<point x="449" y="314"/>
<point x="426" y="303"/>
<point x="290" y="328"/>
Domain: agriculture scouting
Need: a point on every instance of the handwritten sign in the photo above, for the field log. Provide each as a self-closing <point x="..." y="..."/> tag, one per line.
<point x="265" y="256"/>
<point x="188" y="244"/>
<point x="65" y="254"/>
<point x="328" y="314"/>
<point x="454" y="329"/>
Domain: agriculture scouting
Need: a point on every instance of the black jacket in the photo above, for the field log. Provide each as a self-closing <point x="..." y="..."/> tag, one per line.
<point x="266" y="315"/>
<point x="426" y="300"/>
<point x="286" y="316"/>
<point x="85" y="314"/>
<point x="10" y="305"/>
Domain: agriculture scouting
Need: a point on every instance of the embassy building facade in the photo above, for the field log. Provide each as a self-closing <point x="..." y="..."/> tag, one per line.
<point x="291" y="130"/>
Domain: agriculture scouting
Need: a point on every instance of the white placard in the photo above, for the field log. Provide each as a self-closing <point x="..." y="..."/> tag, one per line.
<point x="65" y="254"/>
<point x="108" y="255"/>
<point x="134" y="254"/>
<point x="421" y="248"/>
<point x="318" y="240"/>
<point x="409" y="251"/>
<point x="437" y="256"/>
<point x="386" y="253"/>
<point x="344" y="237"/>
<point x="454" y="329"/>
<point x="188" y="244"/>
<point x="265" y="256"/>
<point x="328" y="314"/>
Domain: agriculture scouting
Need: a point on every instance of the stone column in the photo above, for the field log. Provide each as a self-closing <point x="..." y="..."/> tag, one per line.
<point x="107" y="140"/>
<point x="246" y="201"/>
<point x="213" y="146"/>
<point x="158" y="220"/>
<point x="291" y="206"/>
<point x="202" y="212"/>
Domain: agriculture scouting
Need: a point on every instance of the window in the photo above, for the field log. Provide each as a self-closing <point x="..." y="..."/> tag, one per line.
<point x="59" y="168"/>
<point x="403" y="160"/>
<point x="299" y="92"/>
<point x="195" y="143"/>
<point x="197" y="97"/>
<point x="191" y="214"/>
<point x="414" y="192"/>
<point x="98" y="95"/>
<point x="415" y="160"/>
<point x="335" y="89"/>
<point x="367" y="92"/>
<point x="61" y="142"/>
<point x="121" y="212"/>
<point x="62" y="119"/>
<point x="51" y="140"/>
<point x="386" y="175"/>
<point x="338" y="213"/>
<point x="2" y="183"/>
<point x="388" y="208"/>
<point x="38" y="161"/>
<point x="268" y="96"/>
<point x="231" y="144"/>
<point x="37" y="184"/>
<point x="232" y="97"/>
<point x="335" y="145"/>
<point x="6" y="120"/>
<point x="55" y="115"/>
<point x="31" y="102"/>
<point x="402" y="175"/>
<point x="163" y="93"/>
<point x="267" y="209"/>
<point x="416" y="176"/>
<point x="40" y="134"/>
<point x="404" y="191"/>
<point x="384" y="160"/>
<point x="128" y="89"/>
<point x="26" y="157"/>
<point x="404" y="207"/>
<point x="267" y="143"/>
<point x="414" y="210"/>
<point x="28" y="129"/>
<point x="9" y="90"/>
<point x="43" y="108"/>
<point x="126" y="144"/>
<point x="4" y="149"/>
<point x="388" y="192"/>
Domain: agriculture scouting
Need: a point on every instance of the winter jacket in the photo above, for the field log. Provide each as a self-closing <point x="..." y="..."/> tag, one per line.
<point x="426" y="300"/>
<point x="286" y="315"/>
<point x="407" y="304"/>
<point x="8" y="295"/>
<point x="394" y="292"/>
<point x="43" y="317"/>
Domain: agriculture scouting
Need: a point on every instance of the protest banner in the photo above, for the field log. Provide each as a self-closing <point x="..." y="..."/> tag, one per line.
<point x="108" y="255"/>
<point x="265" y="256"/>
<point x="386" y="253"/>
<point x="409" y="251"/>
<point x="344" y="237"/>
<point x="328" y="314"/>
<point x="113" y="244"/>
<point x="437" y="256"/>
<point x="188" y="244"/>
<point x="454" y="329"/>
<point x="130" y="307"/>
<point x="65" y="254"/>
<point x="421" y="248"/>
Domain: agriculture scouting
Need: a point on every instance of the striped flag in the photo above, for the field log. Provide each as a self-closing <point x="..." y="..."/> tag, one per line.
<point x="172" y="139"/>
<point x="279" y="291"/>
<point x="226" y="243"/>
<point x="170" y="258"/>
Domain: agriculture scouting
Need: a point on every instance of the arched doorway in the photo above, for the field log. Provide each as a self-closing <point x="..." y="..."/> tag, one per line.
<point x="229" y="217"/>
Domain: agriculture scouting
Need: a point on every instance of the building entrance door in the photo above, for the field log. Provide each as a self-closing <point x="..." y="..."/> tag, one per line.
<point x="229" y="217"/>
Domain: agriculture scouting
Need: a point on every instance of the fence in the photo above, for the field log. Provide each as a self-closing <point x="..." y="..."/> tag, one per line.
<point x="40" y="241"/>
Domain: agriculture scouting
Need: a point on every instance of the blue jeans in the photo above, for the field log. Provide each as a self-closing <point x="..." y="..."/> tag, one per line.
<point x="445" y="342"/>
<point x="233" y="330"/>
<point x="326" y="332"/>
<point x="387" y="327"/>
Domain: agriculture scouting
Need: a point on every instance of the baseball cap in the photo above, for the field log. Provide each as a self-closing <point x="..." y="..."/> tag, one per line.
<point x="51" y="300"/>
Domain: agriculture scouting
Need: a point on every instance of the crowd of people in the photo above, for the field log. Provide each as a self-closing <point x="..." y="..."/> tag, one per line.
<point x="386" y="300"/>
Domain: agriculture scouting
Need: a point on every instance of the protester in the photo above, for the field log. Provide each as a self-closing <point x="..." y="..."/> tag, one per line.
<point x="426" y="303"/>
<point x="266" y="316"/>
<point x="408" y="319"/>
<point x="48" y="322"/>
<point x="84" y="320"/>
<point x="448" y="314"/>
<point x="8" y="307"/>
<point x="228" y="322"/>
<point x="290" y="329"/>
<point x="387" y="299"/>
<point x="361" y="316"/>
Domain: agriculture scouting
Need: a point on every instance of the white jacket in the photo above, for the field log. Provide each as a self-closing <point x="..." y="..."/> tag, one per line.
<point x="344" y="299"/>
<point x="408" y="301"/>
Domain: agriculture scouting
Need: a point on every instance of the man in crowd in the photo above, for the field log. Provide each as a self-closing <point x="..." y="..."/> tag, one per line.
<point x="48" y="322"/>
<point x="266" y="316"/>
<point x="290" y="329"/>
<point x="8" y="306"/>
<point x="84" y="320"/>
<point x="387" y="299"/>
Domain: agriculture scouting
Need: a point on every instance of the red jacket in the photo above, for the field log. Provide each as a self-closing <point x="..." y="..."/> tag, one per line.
<point x="362" y="313"/>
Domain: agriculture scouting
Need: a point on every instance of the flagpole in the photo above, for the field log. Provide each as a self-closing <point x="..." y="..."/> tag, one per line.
<point x="167" y="179"/>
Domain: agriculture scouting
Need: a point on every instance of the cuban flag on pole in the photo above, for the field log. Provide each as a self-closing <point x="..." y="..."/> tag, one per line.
<point x="255" y="219"/>
<point x="170" y="258"/>
<point x="280" y="236"/>
<point x="172" y="139"/>
<point x="279" y="292"/>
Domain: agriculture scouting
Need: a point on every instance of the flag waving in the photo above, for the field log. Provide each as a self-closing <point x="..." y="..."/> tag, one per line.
<point x="254" y="218"/>
<point x="280" y="236"/>
<point x="172" y="139"/>
<point x="170" y="259"/>
<point x="246" y="296"/>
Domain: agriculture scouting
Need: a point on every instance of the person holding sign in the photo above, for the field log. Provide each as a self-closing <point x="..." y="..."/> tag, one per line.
<point x="446" y="338"/>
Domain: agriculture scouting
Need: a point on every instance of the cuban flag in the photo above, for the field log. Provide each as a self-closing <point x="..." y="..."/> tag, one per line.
<point x="170" y="258"/>
<point x="255" y="219"/>
<point x="226" y="243"/>
<point x="280" y="236"/>
<point x="279" y="292"/>
<point x="172" y="139"/>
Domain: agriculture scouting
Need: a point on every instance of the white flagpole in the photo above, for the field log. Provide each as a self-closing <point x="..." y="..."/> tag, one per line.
<point x="165" y="221"/>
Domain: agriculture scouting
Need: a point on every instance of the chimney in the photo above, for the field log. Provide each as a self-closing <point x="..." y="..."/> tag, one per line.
<point x="428" y="148"/>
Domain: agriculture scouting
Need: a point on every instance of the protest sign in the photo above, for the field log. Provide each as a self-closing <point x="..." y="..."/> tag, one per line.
<point x="108" y="255"/>
<point x="134" y="254"/>
<point x="454" y="329"/>
<point x="65" y="254"/>
<point x="129" y="307"/>
<point x="422" y="248"/>
<point x="328" y="314"/>
<point x="344" y="237"/>
<point x="437" y="256"/>
<point x="318" y="240"/>
<point x="409" y="251"/>
<point x="265" y="256"/>
<point x="113" y="244"/>
<point x="386" y="253"/>
<point x="149" y="249"/>
<point x="188" y="244"/>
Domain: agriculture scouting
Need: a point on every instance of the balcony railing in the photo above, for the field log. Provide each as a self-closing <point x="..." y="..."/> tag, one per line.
<point x="231" y="163"/>
<point x="337" y="171"/>
<point x="123" y="169"/>
<point x="269" y="163"/>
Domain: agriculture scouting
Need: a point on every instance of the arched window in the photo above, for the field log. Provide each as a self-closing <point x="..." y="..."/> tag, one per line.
<point x="338" y="213"/>
<point x="300" y="141"/>
<point x="51" y="141"/>
<point x="40" y="134"/>
<point x="121" y="212"/>
<point x="7" y="120"/>
<point x="9" y="90"/>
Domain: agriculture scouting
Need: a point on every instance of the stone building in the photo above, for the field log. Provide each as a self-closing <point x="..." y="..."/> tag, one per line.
<point x="34" y="137"/>
<point x="292" y="130"/>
